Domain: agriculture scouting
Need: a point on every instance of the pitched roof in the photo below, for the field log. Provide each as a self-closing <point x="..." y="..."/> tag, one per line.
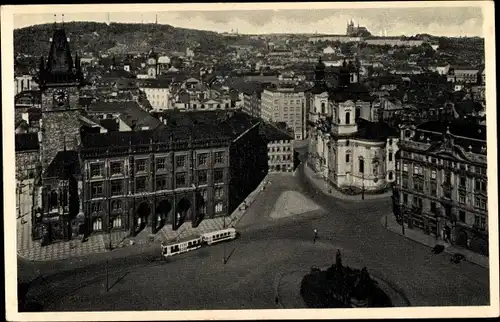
<point x="272" y="133"/>
<point x="65" y="164"/>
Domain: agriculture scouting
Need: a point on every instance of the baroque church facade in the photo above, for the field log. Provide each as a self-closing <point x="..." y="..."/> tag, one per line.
<point x="348" y="145"/>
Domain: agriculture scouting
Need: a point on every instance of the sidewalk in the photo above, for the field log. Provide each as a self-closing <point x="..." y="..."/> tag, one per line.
<point x="320" y="183"/>
<point x="32" y="250"/>
<point x="431" y="241"/>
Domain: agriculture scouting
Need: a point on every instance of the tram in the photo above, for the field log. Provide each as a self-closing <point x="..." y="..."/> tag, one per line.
<point x="219" y="236"/>
<point x="195" y="243"/>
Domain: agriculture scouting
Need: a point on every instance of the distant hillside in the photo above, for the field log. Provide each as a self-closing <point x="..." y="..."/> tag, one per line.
<point x="117" y="38"/>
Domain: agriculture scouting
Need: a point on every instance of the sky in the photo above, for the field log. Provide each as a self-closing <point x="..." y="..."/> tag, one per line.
<point x="439" y="21"/>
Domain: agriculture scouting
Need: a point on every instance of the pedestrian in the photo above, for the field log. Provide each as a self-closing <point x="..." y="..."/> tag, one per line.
<point x="315" y="235"/>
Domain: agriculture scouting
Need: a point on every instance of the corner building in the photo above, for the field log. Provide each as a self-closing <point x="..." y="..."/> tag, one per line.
<point x="441" y="186"/>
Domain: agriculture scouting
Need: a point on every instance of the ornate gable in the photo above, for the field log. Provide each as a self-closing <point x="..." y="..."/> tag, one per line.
<point x="447" y="149"/>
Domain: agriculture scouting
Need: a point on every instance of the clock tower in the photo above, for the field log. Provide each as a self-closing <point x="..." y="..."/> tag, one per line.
<point x="60" y="80"/>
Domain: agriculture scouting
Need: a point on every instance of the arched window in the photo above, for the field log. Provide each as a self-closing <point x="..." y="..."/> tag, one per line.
<point x="347" y="157"/>
<point x="347" y="118"/>
<point x="117" y="222"/>
<point x="361" y="166"/>
<point x="323" y="108"/>
<point x="218" y="207"/>
<point x="202" y="106"/>
<point x="97" y="225"/>
<point x="390" y="155"/>
<point x="22" y="84"/>
<point x="53" y="199"/>
<point x="390" y="175"/>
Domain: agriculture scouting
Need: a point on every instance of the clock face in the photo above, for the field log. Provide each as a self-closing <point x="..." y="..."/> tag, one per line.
<point x="60" y="97"/>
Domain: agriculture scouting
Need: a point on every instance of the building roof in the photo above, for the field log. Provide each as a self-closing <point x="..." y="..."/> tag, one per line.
<point x="27" y="142"/>
<point x="206" y="126"/>
<point x="272" y="133"/>
<point x="65" y="164"/>
<point x="375" y="131"/>
<point x="458" y="128"/>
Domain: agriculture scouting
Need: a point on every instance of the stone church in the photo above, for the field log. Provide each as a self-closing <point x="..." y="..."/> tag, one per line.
<point x="348" y="145"/>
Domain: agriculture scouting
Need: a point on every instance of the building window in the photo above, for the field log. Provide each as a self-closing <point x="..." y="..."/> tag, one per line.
<point x="461" y="198"/>
<point x="390" y="175"/>
<point x="116" y="168"/>
<point x="95" y="170"/>
<point x="463" y="181"/>
<point x="160" y="163"/>
<point x="416" y="169"/>
<point x="405" y="198"/>
<point x="447" y="178"/>
<point x="218" y="192"/>
<point x="218" y="175"/>
<point x="97" y="189"/>
<point x="397" y="166"/>
<point x="390" y="155"/>
<point x="433" y="174"/>
<point x="141" y="165"/>
<point x="117" y="222"/>
<point x="347" y="118"/>
<point x="480" y="222"/>
<point x="202" y="177"/>
<point x="96" y="207"/>
<point x="140" y="184"/>
<point x="480" y="185"/>
<point x="116" y="187"/>
<point x="219" y="157"/>
<point x="480" y="203"/>
<point x="116" y="204"/>
<point x="161" y="183"/>
<point x="433" y="189"/>
<point x="405" y="167"/>
<point x="219" y="206"/>
<point x="347" y="158"/>
<point x="461" y="216"/>
<point x="202" y="159"/>
<point x="180" y="179"/>
<point x="97" y="225"/>
<point x="180" y="161"/>
<point x="418" y="186"/>
<point x="361" y="166"/>
<point x="433" y="207"/>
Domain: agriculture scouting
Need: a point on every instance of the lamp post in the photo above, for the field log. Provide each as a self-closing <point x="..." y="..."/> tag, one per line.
<point x="363" y="185"/>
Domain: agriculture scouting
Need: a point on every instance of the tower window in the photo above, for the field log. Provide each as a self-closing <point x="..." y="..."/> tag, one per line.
<point x="347" y="118"/>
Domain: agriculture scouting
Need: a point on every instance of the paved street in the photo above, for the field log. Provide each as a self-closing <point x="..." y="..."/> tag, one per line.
<point x="266" y="249"/>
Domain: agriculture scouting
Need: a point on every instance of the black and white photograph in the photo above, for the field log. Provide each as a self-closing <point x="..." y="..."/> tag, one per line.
<point x="247" y="160"/>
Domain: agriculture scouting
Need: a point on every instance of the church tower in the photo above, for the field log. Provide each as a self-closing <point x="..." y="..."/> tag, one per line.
<point x="60" y="80"/>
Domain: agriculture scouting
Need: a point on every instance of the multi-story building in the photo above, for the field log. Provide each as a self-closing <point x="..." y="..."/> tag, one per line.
<point x="280" y="150"/>
<point x="464" y="75"/>
<point x="441" y="185"/>
<point x="158" y="93"/>
<point x="285" y="104"/>
<point x="27" y="155"/>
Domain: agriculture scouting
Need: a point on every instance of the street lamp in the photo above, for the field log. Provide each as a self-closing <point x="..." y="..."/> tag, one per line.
<point x="363" y="185"/>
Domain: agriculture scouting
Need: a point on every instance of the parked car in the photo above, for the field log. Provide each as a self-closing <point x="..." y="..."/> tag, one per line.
<point x="438" y="249"/>
<point x="457" y="258"/>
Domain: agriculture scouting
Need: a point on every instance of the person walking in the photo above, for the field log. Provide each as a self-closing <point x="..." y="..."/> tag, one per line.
<point x="315" y="236"/>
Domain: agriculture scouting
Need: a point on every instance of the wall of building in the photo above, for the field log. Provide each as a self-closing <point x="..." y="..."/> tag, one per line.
<point x="285" y="106"/>
<point x="280" y="156"/>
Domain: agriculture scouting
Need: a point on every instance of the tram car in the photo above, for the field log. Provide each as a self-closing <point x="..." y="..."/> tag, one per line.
<point x="180" y="247"/>
<point x="219" y="236"/>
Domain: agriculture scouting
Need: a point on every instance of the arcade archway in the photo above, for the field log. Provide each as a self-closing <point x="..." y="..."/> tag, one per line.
<point x="161" y="217"/>
<point x="142" y="214"/>
<point x="183" y="211"/>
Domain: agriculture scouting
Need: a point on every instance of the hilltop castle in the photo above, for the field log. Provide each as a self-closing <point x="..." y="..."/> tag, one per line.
<point x="356" y="31"/>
